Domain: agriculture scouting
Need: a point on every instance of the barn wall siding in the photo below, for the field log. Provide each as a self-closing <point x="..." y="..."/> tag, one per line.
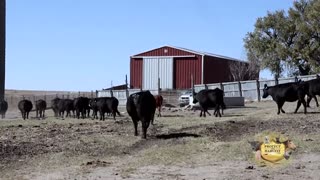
<point x="183" y="68"/>
<point x="136" y="70"/>
<point x="216" y="70"/>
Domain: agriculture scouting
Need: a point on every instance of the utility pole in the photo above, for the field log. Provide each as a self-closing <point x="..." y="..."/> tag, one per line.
<point x="2" y="47"/>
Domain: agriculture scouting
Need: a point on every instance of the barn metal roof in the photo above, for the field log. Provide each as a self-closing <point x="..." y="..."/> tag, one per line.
<point x="206" y="53"/>
<point x="202" y="53"/>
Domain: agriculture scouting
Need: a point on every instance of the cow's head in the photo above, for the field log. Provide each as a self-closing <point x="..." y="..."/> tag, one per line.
<point x="265" y="91"/>
<point x="194" y="97"/>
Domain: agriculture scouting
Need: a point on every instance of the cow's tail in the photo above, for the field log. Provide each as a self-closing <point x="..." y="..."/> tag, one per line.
<point x="118" y="113"/>
<point x="223" y="105"/>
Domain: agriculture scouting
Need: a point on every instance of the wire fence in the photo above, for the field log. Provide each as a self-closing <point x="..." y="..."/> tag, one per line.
<point x="13" y="100"/>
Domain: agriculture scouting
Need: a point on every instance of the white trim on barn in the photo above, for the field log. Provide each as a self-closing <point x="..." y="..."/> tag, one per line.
<point x="202" y="63"/>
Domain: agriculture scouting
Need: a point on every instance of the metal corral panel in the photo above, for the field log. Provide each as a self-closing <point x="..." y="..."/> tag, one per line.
<point x="184" y="68"/>
<point x="249" y="90"/>
<point x="166" y="73"/>
<point x="285" y="80"/>
<point x="213" y="86"/>
<point x="136" y="73"/>
<point x="150" y="73"/>
<point x="231" y="89"/>
<point x="198" y="87"/>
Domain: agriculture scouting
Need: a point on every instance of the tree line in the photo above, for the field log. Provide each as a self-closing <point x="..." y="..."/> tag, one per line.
<point x="286" y="40"/>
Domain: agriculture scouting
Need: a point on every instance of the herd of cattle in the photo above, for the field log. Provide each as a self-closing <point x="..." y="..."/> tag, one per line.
<point x="142" y="106"/>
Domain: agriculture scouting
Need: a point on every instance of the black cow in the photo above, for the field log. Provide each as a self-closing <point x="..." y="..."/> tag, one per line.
<point x="25" y="107"/>
<point x="3" y="108"/>
<point x="65" y="105"/>
<point x="81" y="106"/>
<point x="141" y="106"/>
<point x="54" y="106"/>
<point x="94" y="107"/>
<point x="41" y="106"/>
<point x="289" y="92"/>
<point x="107" y="105"/>
<point x="312" y="88"/>
<point x="210" y="98"/>
<point x="69" y="107"/>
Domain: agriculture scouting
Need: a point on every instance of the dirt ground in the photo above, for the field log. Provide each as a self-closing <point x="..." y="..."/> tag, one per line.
<point x="180" y="145"/>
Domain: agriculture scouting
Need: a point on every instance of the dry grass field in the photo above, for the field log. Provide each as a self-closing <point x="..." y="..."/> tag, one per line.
<point x="180" y="145"/>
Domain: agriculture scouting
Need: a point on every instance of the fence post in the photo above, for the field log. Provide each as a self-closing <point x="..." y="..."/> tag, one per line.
<point x="240" y="88"/>
<point x="127" y="91"/>
<point x="79" y="94"/>
<point x="205" y="86"/>
<point x="192" y="86"/>
<point x="159" y="89"/>
<point x="258" y="90"/>
<point x="276" y="81"/>
<point x="96" y="93"/>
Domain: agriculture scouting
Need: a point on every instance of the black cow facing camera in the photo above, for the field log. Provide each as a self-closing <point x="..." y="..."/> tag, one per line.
<point x="3" y="108"/>
<point x="25" y="106"/>
<point x="141" y="106"/>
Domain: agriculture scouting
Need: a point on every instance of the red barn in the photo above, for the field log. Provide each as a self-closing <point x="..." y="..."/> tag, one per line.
<point x="175" y="66"/>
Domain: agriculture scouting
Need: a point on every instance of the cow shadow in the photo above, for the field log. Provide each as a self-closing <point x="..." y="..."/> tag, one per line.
<point x="172" y="115"/>
<point x="176" y="135"/>
<point x="233" y="115"/>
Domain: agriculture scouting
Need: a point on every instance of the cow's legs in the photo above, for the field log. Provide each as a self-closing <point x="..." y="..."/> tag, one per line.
<point x="28" y="115"/>
<point x="304" y="105"/>
<point x="315" y="98"/>
<point x="298" y="106"/>
<point x="114" y="114"/>
<point x="145" y="125"/>
<point x="159" y="111"/>
<point x="217" y="111"/>
<point x="37" y="112"/>
<point x="308" y="100"/>
<point x="152" y="118"/>
<point x="135" y="124"/>
<point x="280" y="104"/>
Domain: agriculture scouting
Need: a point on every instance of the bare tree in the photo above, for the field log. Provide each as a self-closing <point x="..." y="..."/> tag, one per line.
<point x="241" y="71"/>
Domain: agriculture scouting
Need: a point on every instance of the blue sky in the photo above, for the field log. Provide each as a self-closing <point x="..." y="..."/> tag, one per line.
<point x="82" y="45"/>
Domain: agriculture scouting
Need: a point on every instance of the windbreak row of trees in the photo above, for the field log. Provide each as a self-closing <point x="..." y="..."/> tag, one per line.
<point x="287" y="40"/>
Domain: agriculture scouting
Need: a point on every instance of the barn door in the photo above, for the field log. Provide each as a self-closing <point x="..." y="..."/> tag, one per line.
<point x="166" y="73"/>
<point x="154" y="68"/>
<point x="150" y="74"/>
